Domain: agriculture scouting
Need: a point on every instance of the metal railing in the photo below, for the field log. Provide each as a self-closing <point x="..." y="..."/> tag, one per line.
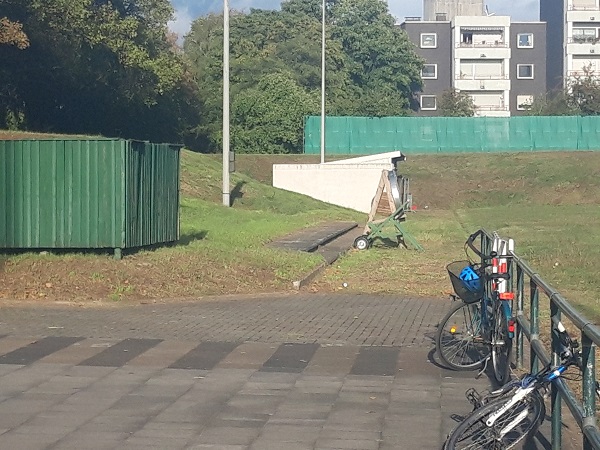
<point x="482" y="44"/>
<point x="584" y="412"/>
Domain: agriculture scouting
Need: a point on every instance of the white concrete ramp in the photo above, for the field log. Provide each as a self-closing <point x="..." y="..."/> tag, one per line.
<point x="350" y="183"/>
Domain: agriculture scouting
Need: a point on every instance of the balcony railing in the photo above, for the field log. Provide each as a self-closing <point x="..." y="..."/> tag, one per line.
<point x="583" y="40"/>
<point x="583" y="8"/>
<point x="482" y="44"/>
<point x="491" y="108"/>
<point x="464" y="76"/>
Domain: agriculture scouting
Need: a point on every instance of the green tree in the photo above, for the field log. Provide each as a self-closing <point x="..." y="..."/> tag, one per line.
<point x="93" y="66"/>
<point x="371" y="66"/>
<point x="551" y="104"/>
<point x="382" y="58"/>
<point x="269" y="118"/>
<point x="583" y="93"/>
<point x="455" y="103"/>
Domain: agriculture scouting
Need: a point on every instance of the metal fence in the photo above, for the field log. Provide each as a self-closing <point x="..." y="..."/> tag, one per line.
<point x="528" y="286"/>
<point x="427" y="135"/>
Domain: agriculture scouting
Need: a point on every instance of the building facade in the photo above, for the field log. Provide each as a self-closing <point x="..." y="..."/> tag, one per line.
<point x="499" y="64"/>
<point x="573" y="45"/>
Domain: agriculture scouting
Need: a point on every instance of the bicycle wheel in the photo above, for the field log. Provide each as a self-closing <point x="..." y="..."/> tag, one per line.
<point x="501" y="347"/>
<point x="459" y="339"/>
<point x="521" y="420"/>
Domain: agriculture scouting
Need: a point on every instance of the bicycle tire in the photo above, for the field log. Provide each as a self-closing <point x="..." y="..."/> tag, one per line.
<point x="501" y="347"/>
<point x="458" y="339"/>
<point x="474" y="434"/>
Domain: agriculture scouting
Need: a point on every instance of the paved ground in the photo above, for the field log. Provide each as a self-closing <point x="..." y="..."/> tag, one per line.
<point x="282" y="372"/>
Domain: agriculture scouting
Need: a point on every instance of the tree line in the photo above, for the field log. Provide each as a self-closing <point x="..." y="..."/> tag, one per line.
<point x="112" y="68"/>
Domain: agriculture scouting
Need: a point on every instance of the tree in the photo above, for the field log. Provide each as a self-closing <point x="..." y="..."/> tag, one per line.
<point x="270" y="117"/>
<point x="583" y="93"/>
<point x="455" y="103"/>
<point x="93" y="66"/>
<point x="551" y="104"/>
<point x="382" y="58"/>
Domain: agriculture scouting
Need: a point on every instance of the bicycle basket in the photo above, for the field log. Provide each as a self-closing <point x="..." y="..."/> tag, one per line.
<point x="465" y="294"/>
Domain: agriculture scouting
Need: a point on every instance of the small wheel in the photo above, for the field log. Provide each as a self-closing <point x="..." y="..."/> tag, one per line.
<point x="520" y="421"/>
<point x="459" y="341"/>
<point x="362" y="243"/>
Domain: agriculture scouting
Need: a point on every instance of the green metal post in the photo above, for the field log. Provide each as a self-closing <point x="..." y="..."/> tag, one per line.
<point x="535" y="323"/>
<point x="555" y="399"/>
<point x="520" y="292"/>
<point x="589" y="385"/>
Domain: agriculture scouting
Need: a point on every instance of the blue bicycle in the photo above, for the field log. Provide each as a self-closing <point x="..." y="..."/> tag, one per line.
<point x="480" y="327"/>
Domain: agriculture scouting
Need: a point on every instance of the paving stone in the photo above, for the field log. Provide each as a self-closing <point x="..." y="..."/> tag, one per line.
<point x="364" y="375"/>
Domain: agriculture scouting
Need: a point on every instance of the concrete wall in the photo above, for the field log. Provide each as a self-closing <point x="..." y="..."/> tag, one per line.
<point x="351" y="183"/>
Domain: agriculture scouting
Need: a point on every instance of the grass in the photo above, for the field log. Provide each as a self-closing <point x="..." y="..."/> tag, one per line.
<point x="547" y="202"/>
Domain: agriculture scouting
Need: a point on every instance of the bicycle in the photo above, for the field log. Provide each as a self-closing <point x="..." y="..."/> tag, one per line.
<point x="503" y="418"/>
<point x="480" y="327"/>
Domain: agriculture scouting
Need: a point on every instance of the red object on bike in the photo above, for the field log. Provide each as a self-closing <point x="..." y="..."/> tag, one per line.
<point x="506" y="295"/>
<point x="511" y="326"/>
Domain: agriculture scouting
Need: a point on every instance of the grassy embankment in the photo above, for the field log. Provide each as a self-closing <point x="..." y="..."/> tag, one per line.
<point x="548" y="202"/>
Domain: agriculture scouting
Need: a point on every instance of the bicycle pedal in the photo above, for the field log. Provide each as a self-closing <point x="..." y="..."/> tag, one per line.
<point x="473" y="397"/>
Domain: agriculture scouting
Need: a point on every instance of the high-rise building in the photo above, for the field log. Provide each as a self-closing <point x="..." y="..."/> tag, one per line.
<point x="573" y="44"/>
<point x="440" y="10"/>
<point x="499" y="63"/>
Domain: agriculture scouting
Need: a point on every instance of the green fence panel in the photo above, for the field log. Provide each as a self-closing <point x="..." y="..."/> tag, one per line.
<point x="590" y="133"/>
<point x="369" y="135"/>
<point x="88" y="193"/>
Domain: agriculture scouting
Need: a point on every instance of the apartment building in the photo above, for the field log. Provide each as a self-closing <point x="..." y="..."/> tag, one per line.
<point x="573" y="45"/>
<point x="500" y="64"/>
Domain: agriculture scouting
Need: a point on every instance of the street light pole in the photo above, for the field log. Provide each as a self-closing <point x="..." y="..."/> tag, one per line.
<point x="323" y="87"/>
<point x="226" y="185"/>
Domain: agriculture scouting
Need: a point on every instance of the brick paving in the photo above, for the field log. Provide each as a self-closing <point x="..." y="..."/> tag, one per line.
<point x="283" y="372"/>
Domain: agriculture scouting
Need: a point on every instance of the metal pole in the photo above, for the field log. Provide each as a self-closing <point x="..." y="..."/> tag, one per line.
<point x="323" y="87"/>
<point x="226" y="186"/>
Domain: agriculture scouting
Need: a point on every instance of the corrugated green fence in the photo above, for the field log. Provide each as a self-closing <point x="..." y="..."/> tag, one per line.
<point x="96" y="193"/>
<point x="422" y="135"/>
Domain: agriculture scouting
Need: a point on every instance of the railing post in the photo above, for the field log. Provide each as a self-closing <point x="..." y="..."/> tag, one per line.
<point x="534" y="310"/>
<point x="555" y="398"/>
<point x="520" y="313"/>
<point x="589" y="385"/>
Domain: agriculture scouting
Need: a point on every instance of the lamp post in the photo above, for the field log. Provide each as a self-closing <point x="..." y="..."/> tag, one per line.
<point x="323" y="86"/>
<point x="226" y="185"/>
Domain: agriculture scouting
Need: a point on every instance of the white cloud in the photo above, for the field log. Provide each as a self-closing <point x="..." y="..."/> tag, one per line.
<point x="183" y="21"/>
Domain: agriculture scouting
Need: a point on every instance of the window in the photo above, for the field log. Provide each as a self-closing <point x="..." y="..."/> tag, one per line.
<point x="525" y="40"/>
<point x="429" y="72"/>
<point x="525" y="71"/>
<point x="524" y="102"/>
<point x="428" y="102"/>
<point x="428" y="40"/>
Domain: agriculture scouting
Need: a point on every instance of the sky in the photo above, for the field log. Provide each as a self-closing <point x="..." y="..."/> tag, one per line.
<point x="189" y="10"/>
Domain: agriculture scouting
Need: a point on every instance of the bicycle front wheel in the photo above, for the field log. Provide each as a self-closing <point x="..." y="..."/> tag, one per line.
<point x="459" y="339"/>
<point x="520" y="421"/>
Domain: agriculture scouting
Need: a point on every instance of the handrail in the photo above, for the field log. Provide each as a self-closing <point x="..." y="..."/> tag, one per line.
<point x="583" y="412"/>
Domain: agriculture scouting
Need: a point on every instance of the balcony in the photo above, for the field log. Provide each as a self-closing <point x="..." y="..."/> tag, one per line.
<point x="584" y="15"/>
<point x="482" y="84"/>
<point x="576" y="46"/>
<point x="492" y="111"/>
<point x="482" y="44"/>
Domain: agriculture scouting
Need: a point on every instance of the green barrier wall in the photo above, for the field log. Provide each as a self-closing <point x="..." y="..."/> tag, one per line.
<point x="370" y="135"/>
